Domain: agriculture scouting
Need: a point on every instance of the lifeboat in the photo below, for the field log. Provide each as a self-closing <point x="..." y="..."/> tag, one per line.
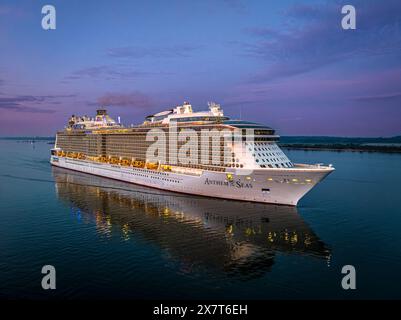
<point x="166" y="167"/>
<point x="114" y="160"/>
<point x="138" y="164"/>
<point x="152" y="166"/>
<point x="125" y="162"/>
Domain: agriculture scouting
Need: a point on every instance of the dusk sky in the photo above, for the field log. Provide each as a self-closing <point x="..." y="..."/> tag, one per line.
<point x="287" y="64"/>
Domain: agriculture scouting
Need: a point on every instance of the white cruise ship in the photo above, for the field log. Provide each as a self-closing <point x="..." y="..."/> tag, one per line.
<point x="202" y="153"/>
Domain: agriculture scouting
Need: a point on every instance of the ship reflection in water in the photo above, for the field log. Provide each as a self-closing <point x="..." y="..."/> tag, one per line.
<point x="239" y="239"/>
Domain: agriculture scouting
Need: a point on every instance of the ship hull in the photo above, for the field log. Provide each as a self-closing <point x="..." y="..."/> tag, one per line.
<point x="277" y="186"/>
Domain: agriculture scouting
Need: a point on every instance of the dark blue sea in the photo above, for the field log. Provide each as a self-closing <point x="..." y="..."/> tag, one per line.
<point x="108" y="239"/>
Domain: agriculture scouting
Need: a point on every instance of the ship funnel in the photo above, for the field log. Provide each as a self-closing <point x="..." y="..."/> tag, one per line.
<point x="101" y="112"/>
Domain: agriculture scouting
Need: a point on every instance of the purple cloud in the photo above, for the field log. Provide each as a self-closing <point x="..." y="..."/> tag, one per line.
<point x="237" y="5"/>
<point x="318" y="40"/>
<point x="106" y="72"/>
<point x="20" y="108"/>
<point x="262" y="32"/>
<point x="136" y="52"/>
<point x="364" y="93"/>
<point x="134" y="99"/>
<point x="302" y="10"/>
<point x="19" y="103"/>
<point x="380" y="97"/>
<point x="111" y="73"/>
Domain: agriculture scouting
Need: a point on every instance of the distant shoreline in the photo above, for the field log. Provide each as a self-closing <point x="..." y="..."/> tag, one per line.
<point x="29" y="138"/>
<point x="343" y="148"/>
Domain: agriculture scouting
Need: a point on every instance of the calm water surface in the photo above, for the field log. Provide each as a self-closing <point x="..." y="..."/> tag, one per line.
<point x="116" y="240"/>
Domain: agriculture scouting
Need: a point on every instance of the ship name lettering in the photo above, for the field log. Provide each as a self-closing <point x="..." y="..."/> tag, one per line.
<point x="236" y="184"/>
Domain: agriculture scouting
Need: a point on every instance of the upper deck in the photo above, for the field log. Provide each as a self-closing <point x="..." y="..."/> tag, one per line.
<point x="184" y="113"/>
<point x="181" y="116"/>
<point x="100" y="121"/>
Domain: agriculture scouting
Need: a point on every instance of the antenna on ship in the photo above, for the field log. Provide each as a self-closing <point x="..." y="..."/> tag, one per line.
<point x="119" y="120"/>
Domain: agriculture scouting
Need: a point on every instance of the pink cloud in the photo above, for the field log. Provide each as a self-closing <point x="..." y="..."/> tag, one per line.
<point x="134" y="99"/>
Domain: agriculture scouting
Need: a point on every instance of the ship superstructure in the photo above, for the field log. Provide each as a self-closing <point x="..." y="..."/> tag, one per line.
<point x="180" y="150"/>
